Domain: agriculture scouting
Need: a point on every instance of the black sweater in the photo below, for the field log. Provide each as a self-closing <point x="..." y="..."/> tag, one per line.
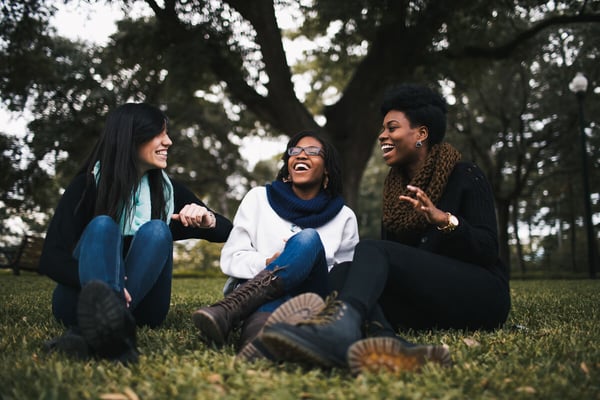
<point x="469" y="197"/>
<point x="68" y="224"/>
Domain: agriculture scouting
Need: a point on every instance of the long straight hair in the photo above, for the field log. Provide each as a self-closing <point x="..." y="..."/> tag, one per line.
<point x="127" y="127"/>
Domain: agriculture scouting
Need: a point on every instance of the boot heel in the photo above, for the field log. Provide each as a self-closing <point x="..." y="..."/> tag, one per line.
<point x="388" y="354"/>
<point x="293" y="311"/>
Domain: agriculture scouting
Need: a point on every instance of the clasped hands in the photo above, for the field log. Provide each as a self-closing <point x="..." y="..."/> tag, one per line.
<point x="195" y="216"/>
<point x="424" y="206"/>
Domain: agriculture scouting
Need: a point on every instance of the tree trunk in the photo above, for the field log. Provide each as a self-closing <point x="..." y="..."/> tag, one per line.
<point x="503" y="218"/>
<point x="515" y="223"/>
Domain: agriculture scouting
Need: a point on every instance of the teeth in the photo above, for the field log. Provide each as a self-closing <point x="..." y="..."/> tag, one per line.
<point x="301" y="167"/>
<point x="162" y="153"/>
<point x="386" y="147"/>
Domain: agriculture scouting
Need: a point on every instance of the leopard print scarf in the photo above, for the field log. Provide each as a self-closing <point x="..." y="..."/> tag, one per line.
<point x="399" y="217"/>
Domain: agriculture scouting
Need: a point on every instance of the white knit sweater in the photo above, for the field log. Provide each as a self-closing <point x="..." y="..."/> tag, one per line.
<point x="258" y="233"/>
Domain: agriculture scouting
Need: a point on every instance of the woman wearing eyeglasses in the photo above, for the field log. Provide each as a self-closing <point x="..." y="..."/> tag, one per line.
<point x="437" y="267"/>
<point x="286" y="237"/>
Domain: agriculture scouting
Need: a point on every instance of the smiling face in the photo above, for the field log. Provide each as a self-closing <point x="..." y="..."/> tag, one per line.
<point x="398" y="140"/>
<point x="153" y="153"/>
<point x="307" y="172"/>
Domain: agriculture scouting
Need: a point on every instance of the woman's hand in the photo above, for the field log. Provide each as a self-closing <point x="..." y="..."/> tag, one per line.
<point x="127" y="297"/>
<point x="195" y="216"/>
<point x="424" y="206"/>
<point x="272" y="258"/>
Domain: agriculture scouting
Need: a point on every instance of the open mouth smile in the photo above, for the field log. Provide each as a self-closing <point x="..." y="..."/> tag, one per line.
<point x="386" y="148"/>
<point x="300" y="167"/>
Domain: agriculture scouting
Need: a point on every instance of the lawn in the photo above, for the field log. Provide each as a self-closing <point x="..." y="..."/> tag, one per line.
<point x="548" y="350"/>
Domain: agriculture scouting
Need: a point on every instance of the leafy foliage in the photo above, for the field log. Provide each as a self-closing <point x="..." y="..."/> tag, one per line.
<point x="220" y="71"/>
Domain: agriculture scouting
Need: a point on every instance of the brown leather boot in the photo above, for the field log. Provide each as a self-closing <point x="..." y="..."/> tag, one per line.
<point x="216" y="321"/>
<point x="252" y="326"/>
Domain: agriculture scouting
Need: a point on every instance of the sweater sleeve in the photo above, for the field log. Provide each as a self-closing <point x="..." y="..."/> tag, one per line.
<point x="239" y="257"/>
<point x="219" y="233"/>
<point x="476" y="238"/>
<point x="63" y="233"/>
<point x="349" y="238"/>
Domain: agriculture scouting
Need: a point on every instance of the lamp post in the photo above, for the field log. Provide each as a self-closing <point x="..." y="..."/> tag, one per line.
<point x="579" y="86"/>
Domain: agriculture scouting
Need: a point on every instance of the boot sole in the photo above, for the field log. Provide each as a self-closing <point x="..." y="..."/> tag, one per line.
<point x="208" y="327"/>
<point x="380" y="354"/>
<point x="287" y="346"/>
<point x="296" y="309"/>
<point x="102" y="319"/>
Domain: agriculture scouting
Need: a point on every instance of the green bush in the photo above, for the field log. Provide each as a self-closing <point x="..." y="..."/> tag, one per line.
<point x="548" y="350"/>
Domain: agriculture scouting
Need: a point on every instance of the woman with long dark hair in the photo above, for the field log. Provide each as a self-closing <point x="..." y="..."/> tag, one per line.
<point x="109" y="245"/>
<point x="286" y="237"/>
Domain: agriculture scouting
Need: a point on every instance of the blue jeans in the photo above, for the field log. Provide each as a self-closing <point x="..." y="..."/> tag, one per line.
<point x="303" y="267"/>
<point x="148" y="267"/>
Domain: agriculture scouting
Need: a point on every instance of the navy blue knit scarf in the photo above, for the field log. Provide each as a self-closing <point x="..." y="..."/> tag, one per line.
<point x="304" y="213"/>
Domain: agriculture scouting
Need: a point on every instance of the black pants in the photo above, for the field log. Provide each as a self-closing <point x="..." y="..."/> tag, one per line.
<point x="417" y="289"/>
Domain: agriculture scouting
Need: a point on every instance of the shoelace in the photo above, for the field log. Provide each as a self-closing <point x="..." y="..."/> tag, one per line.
<point x="329" y="313"/>
<point x="246" y="291"/>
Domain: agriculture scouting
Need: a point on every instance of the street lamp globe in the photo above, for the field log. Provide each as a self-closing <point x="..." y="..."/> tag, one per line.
<point x="578" y="84"/>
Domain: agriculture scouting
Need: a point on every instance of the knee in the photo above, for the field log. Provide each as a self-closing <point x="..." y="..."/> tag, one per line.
<point x="307" y="236"/>
<point x="103" y="223"/>
<point x="155" y="231"/>
<point x="367" y="245"/>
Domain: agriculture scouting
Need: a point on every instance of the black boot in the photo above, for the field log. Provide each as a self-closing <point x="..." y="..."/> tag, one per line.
<point x="70" y="343"/>
<point x="216" y="321"/>
<point x="377" y="324"/>
<point x="394" y="355"/>
<point x="322" y="340"/>
<point x="106" y="323"/>
<point x="293" y="311"/>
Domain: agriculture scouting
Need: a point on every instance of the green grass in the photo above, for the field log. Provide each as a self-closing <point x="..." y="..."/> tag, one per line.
<point x="556" y="356"/>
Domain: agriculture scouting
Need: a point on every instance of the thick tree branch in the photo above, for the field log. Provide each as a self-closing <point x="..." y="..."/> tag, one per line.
<point x="289" y="114"/>
<point x="504" y="50"/>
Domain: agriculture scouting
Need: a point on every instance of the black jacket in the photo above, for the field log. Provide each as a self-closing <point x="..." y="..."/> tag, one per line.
<point x="469" y="197"/>
<point x="69" y="221"/>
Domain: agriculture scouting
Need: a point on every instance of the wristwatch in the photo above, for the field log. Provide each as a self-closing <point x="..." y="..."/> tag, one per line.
<point x="451" y="225"/>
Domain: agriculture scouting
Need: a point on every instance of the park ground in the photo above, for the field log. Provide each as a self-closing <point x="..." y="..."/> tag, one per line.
<point x="548" y="349"/>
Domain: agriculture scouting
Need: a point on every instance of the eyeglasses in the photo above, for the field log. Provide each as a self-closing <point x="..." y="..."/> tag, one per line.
<point x="309" y="151"/>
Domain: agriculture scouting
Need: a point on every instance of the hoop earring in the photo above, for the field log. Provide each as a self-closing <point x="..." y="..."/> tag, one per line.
<point x="287" y="179"/>
<point x="325" y="181"/>
<point x="418" y="144"/>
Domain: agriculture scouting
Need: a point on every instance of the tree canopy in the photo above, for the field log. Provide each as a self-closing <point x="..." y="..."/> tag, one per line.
<point x="220" y="70"/>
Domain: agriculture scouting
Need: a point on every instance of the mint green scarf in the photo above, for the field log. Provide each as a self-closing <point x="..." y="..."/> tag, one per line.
<point x="141" y="207"/>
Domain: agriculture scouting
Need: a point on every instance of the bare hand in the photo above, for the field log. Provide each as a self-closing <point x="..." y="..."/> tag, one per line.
<point x="272" y="258"/>
<point x="195" y="216"/>
<point x="127" y="297"/>
<point x="424" y="206"/>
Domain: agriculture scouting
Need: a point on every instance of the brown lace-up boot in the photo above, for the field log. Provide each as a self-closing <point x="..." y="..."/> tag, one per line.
<point x="216" y="321"/>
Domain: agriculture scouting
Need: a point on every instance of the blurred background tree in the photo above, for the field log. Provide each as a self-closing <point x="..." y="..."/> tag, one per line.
<point x="221" y="71"/>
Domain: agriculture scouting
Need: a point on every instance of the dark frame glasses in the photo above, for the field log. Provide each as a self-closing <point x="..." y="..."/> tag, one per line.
<point x="308" y="150"/>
